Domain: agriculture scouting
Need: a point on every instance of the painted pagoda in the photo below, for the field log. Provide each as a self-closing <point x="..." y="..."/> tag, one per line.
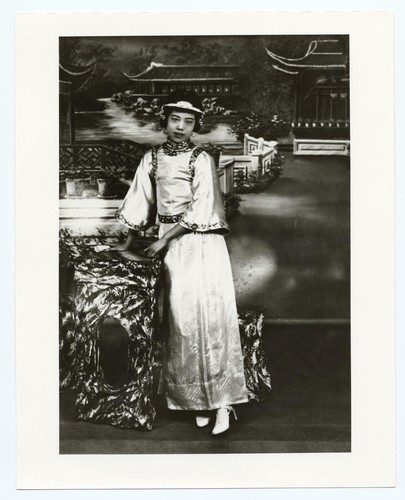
<point x="71" y="78"/>
<point x="321" y="113"/>
<point x="158" y="80"/>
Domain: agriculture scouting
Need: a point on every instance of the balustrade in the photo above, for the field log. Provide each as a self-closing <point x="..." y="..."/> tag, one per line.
<point x="97" y="155"/>
<point x="258" y="155"/>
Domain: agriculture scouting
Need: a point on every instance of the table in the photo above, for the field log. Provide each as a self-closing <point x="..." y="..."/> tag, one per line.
<point x="121" y="287"/>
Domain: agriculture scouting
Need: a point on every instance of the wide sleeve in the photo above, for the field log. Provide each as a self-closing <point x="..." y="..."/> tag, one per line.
<point x="138" y="209"/>
<point x="206" y="210"/>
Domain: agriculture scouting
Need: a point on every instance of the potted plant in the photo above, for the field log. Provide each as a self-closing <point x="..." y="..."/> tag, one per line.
<point x="106" y="184"/>
<point x="74" y="179"/>
<point x="107" y="180"/>
<point x="62" y="185"/>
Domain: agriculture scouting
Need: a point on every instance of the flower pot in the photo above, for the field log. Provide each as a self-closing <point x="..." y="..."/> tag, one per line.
<point x="62" y="189"/>
<point x="106" y="188"/>
<point x="74" y="188"/>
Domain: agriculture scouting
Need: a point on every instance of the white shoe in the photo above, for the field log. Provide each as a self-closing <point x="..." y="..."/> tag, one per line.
<point x="222" y="420"/>
<point x="202" y="421"/>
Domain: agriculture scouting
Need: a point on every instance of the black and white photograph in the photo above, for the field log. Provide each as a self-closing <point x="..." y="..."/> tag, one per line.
<point x="205" y="244"/>
<point x="207" y="255"/>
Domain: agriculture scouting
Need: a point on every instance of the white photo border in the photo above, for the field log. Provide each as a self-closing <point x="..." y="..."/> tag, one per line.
<point x="372" y="460"/>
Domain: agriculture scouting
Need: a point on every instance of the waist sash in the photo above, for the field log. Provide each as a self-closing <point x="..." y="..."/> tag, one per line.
<point x="169" y="219"/>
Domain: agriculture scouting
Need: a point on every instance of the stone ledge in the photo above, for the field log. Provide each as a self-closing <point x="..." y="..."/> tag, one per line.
<point x="339" y="147"/>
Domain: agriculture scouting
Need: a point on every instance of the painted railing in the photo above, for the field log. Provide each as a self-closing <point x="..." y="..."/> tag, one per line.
<point x="251" y="144"/>
<point x="225" y="175"/>
<point x="99" y="155"/>
<point x="258" y="155"/>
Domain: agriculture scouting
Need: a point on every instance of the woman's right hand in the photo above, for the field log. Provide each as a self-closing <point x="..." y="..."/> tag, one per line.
<point x="118" y="247"/>
<point x="126" y="245"/>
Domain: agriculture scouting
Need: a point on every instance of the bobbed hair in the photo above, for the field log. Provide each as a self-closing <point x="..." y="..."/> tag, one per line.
<point x="176" y="96"/>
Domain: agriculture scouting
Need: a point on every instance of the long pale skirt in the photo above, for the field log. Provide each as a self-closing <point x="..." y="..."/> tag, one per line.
<point x="203" y="363"/>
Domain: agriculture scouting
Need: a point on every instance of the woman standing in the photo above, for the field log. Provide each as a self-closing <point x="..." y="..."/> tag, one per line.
<point x="178" y="183"/>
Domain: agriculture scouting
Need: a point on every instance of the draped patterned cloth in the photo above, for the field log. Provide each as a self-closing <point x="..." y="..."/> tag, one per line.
<point x="68" y="344"/>
<point x="257" y="376"/>
<point x="126" y="291"/>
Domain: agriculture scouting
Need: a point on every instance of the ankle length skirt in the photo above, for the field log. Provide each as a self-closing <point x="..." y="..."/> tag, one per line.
<point x="202" y="362"/>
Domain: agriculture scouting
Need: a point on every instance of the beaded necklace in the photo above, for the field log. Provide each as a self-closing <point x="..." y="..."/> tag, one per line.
<point x="175" y="148"/>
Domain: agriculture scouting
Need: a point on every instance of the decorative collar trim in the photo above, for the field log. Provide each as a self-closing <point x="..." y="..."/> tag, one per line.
<point x="176" y="148"/>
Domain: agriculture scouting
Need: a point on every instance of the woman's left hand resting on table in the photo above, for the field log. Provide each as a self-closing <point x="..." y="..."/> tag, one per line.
<point x="155" y="248"/>
<point x="160" y="245"/>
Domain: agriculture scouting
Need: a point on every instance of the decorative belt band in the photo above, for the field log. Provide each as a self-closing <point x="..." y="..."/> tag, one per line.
<point x="169" y="219"/>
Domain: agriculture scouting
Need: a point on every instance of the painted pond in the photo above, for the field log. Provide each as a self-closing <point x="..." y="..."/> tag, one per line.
<point x="116" y="122"/>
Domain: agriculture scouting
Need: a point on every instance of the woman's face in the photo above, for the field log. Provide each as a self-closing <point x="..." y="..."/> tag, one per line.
<point x="180" y="126"/>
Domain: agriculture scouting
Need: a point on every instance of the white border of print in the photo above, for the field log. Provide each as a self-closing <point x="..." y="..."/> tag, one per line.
<point x="372" y="460"/>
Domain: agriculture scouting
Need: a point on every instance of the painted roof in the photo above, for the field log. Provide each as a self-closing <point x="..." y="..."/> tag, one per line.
<point x="323" y="54"/>
<point x="185" y="72"/>
<point x="76" y="75"/>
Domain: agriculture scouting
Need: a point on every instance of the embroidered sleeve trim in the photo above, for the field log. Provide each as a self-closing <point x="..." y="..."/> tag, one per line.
<point x="122" y="219"/>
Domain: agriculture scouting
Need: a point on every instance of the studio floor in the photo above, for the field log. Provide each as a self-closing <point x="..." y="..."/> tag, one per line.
<point x="309" y="410"/>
